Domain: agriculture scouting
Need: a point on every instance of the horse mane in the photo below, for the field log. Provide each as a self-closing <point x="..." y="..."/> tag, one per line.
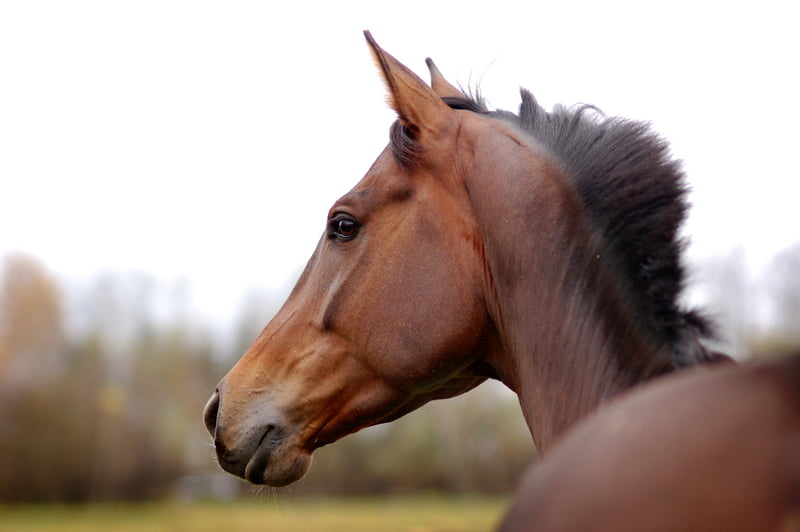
<point x="635" y="195"/>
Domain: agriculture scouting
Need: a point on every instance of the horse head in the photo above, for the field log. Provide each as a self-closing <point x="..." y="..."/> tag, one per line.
<point x="389" y="312"/>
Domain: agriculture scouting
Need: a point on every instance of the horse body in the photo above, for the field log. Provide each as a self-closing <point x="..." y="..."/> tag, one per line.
<point x="702" y="451"/>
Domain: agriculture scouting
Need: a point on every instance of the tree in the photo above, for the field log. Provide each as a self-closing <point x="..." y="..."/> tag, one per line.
<point x="31" y="329"/>
<point x="783" y="285"/>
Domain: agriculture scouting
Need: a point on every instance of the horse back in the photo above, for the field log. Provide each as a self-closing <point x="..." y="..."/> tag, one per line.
<point x="707" y="449"/>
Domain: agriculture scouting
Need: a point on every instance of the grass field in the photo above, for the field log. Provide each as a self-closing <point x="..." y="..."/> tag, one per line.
<point x="419" y="514"/>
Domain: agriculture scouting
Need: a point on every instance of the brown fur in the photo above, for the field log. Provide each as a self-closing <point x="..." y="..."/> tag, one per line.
<point x="702" y="451"/>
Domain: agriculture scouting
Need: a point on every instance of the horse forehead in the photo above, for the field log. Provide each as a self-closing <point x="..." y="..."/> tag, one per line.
<point x="384" y="181"/>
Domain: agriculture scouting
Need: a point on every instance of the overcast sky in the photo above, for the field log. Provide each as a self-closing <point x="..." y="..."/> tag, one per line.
<point x="206" y="140"/>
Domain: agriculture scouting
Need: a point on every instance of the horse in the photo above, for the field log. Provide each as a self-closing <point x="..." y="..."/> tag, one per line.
<point x="700" y="451"/>
<point x="540" y="249"/>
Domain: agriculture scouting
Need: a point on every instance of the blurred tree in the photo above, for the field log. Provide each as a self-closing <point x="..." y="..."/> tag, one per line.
<point x="782" y="279"/>
<point x="727" y="294"/>
<point x="756" y="317"/>
<point x="79" y="423"/>
<point x="31" y="329"/>
<point x="106" y="405"/>
<point x="257" y="309"/>
<point x="45" y="424"/>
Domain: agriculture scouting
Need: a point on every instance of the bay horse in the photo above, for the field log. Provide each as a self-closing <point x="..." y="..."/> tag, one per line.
<point x="538" y="248"/>
<point x="700" y="451"/>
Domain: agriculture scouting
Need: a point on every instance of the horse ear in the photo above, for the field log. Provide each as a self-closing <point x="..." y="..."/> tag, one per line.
<point x="441" y="86"/>
<point x="418" y="107"/>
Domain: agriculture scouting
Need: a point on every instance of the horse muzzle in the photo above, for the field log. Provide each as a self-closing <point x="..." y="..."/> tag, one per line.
<point x="254" y="445"/>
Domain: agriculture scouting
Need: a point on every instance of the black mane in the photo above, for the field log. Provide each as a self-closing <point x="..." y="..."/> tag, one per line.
<point x="635" y="196"/>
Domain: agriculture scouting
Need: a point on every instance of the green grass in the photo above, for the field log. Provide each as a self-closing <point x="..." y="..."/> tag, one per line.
<point x="407" y="514"/>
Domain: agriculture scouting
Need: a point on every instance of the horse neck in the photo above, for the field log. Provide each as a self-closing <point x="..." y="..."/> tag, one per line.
<point x="563" y="360"/>
<point x="569" y="339"/>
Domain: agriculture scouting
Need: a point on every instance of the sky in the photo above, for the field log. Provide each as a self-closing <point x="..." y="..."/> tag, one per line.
<point x="204" y="141"/>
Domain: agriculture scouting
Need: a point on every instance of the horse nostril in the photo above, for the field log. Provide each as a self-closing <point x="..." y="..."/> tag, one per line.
<point x="210" y="413"/>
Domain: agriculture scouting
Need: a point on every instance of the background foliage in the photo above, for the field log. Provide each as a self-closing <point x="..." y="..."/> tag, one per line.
<point x="102" y="387"/>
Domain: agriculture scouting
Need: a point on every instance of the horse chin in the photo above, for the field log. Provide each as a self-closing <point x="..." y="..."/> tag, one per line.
<point x="270" y="459"/>
<point x="276" y="470"/>
<point x="272" y="467"/>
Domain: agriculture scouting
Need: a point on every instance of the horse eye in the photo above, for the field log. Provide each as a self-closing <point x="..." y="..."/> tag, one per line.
<point x="343" y="226"/>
